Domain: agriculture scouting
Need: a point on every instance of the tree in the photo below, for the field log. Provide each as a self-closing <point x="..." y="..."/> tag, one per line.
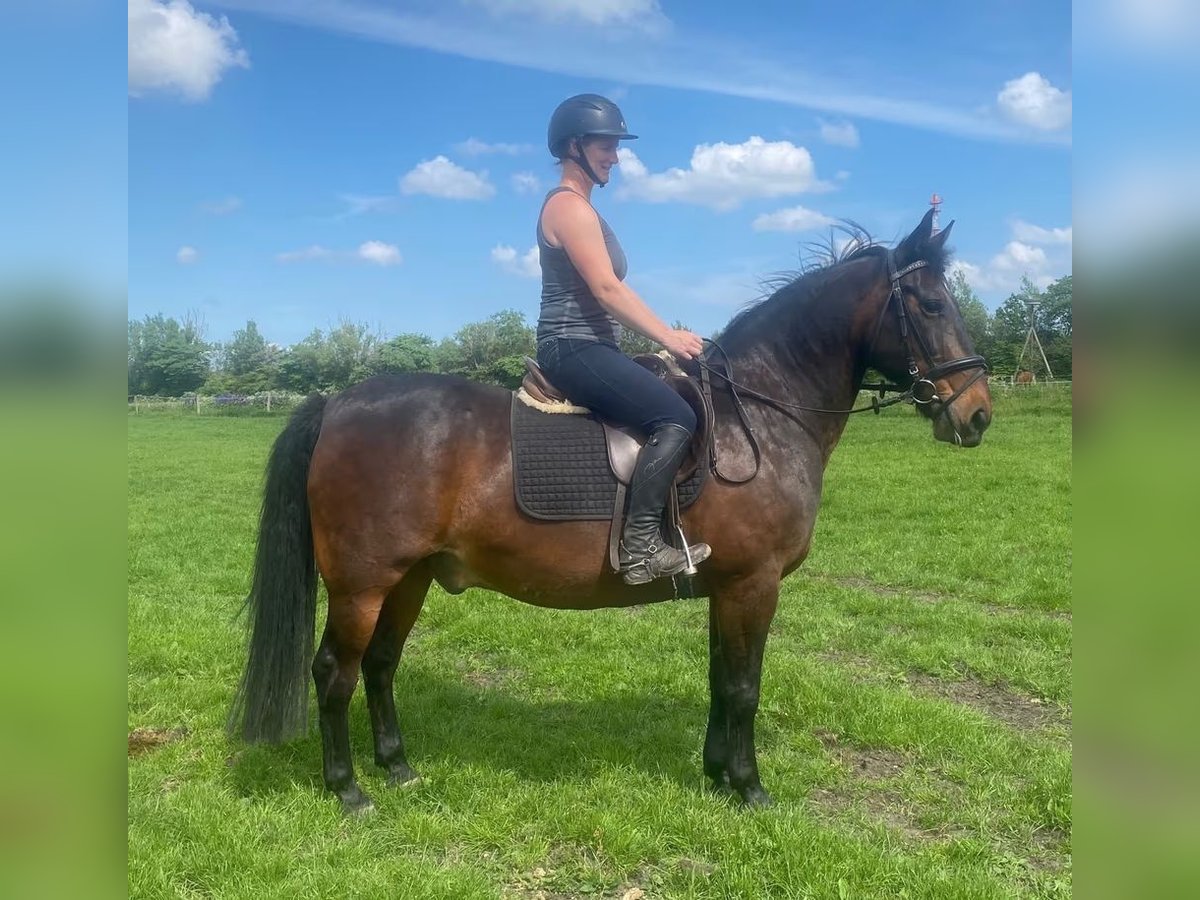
<point x="1010" y="326"/>
<point x="346" y="355"/>
<point x="250" y="363"/>
<point x="300" y="364"/>
<point x="974" y="313"/>
<point x="166" y="357"/>
<point x="1055" y="316"/>
<point x="404" y="353"/>
<point x="492" y="350"/>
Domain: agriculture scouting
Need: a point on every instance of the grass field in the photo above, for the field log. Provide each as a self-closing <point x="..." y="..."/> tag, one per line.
<point x="914" y="726"/>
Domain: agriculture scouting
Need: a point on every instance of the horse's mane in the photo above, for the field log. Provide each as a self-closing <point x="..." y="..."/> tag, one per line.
<point x="765" y="316"/>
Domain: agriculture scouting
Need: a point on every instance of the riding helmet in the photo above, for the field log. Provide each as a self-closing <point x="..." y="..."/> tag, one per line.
<point x="581" y="115"/>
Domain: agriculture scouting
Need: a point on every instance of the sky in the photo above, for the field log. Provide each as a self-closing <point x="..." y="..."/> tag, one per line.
<point x="304" y="162"/>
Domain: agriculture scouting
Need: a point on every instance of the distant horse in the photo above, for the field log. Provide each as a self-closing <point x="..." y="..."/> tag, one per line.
<point x="1024" y="377"/>
<point x="404" y="480"/>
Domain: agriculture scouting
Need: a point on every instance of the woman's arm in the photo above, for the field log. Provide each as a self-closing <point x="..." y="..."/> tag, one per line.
<point x="570" y="222"/>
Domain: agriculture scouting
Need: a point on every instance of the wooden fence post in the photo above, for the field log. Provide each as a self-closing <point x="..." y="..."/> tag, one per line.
<point x="268" y="401"/>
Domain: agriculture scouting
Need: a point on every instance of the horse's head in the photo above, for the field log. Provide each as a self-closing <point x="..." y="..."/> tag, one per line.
<point x="920" y="338"/>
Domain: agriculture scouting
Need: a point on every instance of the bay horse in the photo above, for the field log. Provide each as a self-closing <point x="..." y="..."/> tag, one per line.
<point x="404" y="480"/>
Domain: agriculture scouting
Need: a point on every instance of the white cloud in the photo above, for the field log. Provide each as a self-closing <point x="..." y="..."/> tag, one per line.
<point x="1033" y="100"/>
<point x="1041" y="254"/>
<point x="186" y="255"/>
<point x="841" y="134"/>
<point x="642" y="13"/>
<point x="1019" y="257"/>
<point x="475" y="147"/>
<point x="316" y="251"/>
<point x="379" y="253"/>
<point x="526" y="183"/>
<point x="723" y="175"/>
<point x="376" y="252"/>
<point x="795" y="218"/>
<point x="1035" y="234"/>
<point x="680" y="59"/>
<point x="172" y="47"/>
<point x="527" y="265"/>
<point x="222" y="207"/>
<point x="438" y="177"/>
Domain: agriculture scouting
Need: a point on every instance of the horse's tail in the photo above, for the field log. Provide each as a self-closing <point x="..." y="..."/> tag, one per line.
<point x="272" y="700"/>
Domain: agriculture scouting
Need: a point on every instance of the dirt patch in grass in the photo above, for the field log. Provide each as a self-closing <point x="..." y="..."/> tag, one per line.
<point x="482" y="672"/>
<point x="869" y="763"/>
<point x="546" y="884"/>
<point x="870" y="770"/>
<point x="883" y="590"/>
<point x="143" y="740"/>
<point x="998" y="701"/>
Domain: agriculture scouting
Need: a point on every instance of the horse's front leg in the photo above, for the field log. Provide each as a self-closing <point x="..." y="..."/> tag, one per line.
<point x="716" y="738"/>
<point x="740" y="616"/>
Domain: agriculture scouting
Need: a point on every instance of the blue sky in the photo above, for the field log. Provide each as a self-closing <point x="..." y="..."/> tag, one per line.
<point x="307" y="161"/>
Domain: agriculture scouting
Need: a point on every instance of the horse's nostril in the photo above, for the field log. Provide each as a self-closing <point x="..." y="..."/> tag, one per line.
<point x="981" y="419"/>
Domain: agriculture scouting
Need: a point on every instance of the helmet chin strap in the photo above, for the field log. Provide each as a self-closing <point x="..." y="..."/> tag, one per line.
<point x="581" y="161"/>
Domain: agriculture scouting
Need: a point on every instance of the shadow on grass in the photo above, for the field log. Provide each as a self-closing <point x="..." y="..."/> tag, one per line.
<point x="448" y="722"/>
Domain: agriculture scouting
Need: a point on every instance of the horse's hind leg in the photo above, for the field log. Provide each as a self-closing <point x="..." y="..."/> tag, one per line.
<point x="400" y="611"/>
<point x="348" y="631"/>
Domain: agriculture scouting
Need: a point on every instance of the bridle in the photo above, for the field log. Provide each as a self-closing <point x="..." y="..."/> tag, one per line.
<point x="922" y="391"/>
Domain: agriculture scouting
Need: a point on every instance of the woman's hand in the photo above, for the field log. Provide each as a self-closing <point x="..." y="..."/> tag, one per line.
<point x="682" y="344"/>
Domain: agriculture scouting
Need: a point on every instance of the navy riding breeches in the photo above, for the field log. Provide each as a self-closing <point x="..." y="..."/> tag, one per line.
<point x="602" y="378"/>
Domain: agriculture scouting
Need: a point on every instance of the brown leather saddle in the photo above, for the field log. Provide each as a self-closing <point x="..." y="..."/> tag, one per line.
<point x="623" y="443"/>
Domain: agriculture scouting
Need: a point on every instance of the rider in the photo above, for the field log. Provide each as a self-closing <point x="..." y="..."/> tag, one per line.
<point x="584" y="304"/>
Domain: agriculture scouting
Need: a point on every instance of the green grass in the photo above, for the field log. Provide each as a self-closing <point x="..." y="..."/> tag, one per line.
<point x="561" y="750"/>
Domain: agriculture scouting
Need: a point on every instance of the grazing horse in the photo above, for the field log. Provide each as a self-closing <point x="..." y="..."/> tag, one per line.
<point x="404" y="480"/>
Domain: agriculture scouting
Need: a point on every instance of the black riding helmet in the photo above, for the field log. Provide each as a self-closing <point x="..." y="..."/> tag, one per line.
<point x="582" y="116"/>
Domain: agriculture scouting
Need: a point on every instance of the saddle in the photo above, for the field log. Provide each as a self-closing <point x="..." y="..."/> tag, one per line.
<point x="571" y="464"/>
<point x="623" y="443"/>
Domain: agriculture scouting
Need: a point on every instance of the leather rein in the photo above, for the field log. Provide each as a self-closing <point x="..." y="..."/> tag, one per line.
<point x="922" y="390"/>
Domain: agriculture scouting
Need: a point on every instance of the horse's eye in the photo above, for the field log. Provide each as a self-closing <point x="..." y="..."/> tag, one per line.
<point x="931" y="306"/>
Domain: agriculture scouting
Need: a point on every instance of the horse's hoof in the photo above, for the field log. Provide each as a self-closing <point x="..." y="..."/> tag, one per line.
<point x="756" y="798"/>
<point x="356" y="804"/>
<point x="405" y="778"/>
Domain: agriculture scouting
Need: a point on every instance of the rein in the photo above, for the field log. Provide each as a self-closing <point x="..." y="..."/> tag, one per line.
<point x="921" y="392"/>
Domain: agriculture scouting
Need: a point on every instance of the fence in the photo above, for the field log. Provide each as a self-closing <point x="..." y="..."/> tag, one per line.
<point x="266" y="403"/>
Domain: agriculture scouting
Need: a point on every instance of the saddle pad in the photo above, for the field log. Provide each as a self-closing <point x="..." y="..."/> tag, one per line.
<point x="561" y="470"/>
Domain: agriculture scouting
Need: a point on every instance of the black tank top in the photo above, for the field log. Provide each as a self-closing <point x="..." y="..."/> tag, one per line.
<point x="569" y="309"/>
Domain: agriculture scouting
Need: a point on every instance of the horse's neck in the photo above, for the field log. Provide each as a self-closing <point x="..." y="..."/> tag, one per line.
<point x="814" y="361"/>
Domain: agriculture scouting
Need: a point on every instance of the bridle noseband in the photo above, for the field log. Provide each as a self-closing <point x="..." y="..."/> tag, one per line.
<point x="923" y="391"/>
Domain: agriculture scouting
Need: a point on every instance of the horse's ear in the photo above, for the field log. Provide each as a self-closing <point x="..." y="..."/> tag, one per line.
<point x="938" y="241"/>
<point x="909" y="248"/>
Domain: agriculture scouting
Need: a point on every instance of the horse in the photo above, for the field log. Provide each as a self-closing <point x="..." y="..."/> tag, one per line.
<point x="400" y="481"/>
<point x="1024" y="376"/>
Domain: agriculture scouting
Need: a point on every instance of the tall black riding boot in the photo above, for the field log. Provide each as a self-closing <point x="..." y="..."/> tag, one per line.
<point x="643" y="554"/>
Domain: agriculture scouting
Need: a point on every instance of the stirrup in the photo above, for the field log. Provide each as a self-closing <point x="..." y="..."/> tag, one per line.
<point x="643" y="570"/>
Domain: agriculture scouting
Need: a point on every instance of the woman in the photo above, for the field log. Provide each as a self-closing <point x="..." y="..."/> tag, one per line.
<point x="585" y="302"/>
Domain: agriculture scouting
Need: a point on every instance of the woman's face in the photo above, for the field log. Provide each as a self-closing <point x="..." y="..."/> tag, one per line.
<point x="601" y="154"/>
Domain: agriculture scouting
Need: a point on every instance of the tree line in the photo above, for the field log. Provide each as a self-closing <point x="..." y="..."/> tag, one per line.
<point x="170" y="358"/>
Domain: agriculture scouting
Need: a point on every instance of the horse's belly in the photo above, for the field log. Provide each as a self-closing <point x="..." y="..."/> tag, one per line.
<point x="553" y="588"/>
